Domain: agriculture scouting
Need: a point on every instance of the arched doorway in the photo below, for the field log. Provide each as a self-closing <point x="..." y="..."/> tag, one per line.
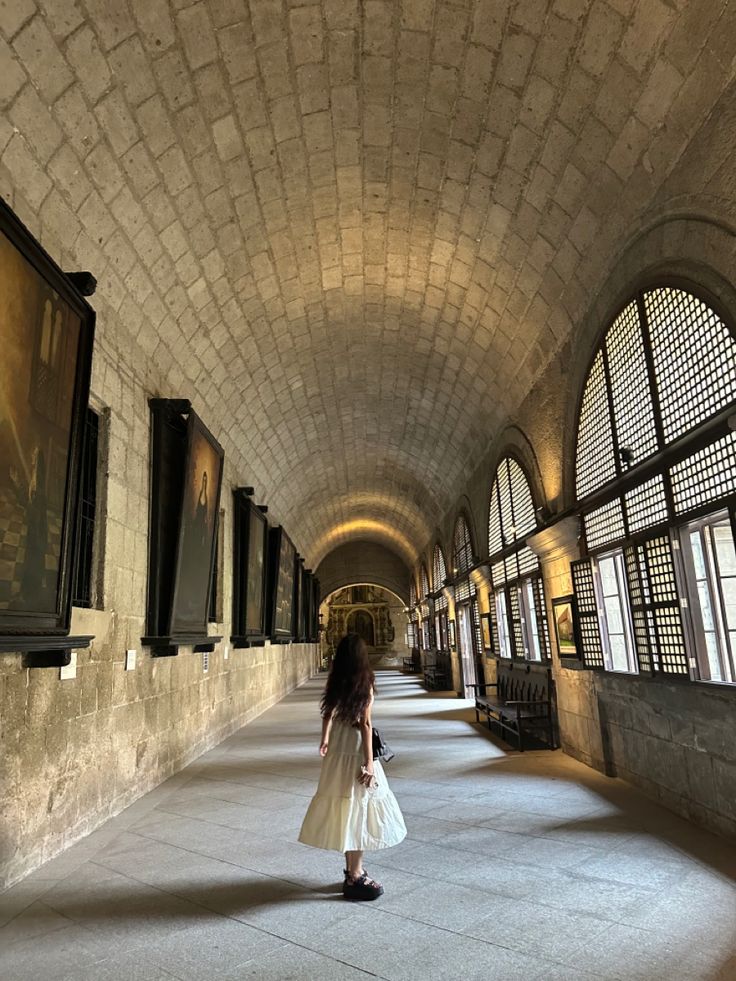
<point x="361" y="622"/>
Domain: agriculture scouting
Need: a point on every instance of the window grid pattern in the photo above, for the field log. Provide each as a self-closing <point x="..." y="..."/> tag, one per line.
<point x="495" y="537"/>
<point x="412" y="593"/>
<point x="541" y="609"/>
<point x="498" y="573"/>
<point x="495" y="646"/>
<point x="590" y="635"/>
<point x="462" y="546"/>
<point x="465" y="590"/>
<point x="527" y="561"/>
<point x="633" y="410"/>
<point x="475" y="622"/>
<point x="517" y="634"/>
<point x="708" y="475"/>
<point x="424" y="581"/>
<point x="670" y="639"/>
<point x="638" y="609"/>
<point x="594" y="464"/>
<point x="511" y="513"/>
<point x="605" y="525"/>
<point x="439" y="569"/>
<point x="694" y="357"/>
<point x="646" y="505"/>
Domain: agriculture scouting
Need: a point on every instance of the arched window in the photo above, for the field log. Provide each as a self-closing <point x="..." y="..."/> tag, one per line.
<point x="518" y="615"/>
<point x="655" y="475"/>
<point x="412" y="593"/>
<point x="463" y="552"/>
<point x="439" y="574"/>
<point x="439" y="569"/>
<point x="424" y="581"/>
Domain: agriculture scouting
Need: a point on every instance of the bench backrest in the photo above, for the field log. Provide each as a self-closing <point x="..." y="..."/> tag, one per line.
<point x="523" y="682"/>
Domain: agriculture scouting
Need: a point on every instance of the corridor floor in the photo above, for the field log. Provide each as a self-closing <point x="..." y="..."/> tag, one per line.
<point x="516" y="866"/>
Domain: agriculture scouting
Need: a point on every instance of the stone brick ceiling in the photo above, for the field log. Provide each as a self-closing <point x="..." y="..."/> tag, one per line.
<point x="355" y="232"/>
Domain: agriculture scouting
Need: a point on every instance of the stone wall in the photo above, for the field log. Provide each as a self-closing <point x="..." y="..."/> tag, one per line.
<point x="75" y="752"/>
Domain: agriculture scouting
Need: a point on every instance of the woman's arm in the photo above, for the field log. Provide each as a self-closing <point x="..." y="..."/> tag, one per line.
<point x="366" y="731"/>
<point x="325" y="742"/>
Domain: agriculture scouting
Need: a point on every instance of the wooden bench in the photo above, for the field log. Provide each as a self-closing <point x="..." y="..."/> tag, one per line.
<point x="521" y="704"/>
<point x="434" y="672"/>
<point x="408" y="664"/>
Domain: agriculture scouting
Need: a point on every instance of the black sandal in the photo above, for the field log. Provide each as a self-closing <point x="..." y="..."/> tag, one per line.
<point x="361" y="889"/>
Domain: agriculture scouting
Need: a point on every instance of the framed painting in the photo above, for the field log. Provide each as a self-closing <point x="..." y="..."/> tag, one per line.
<point x="485" y="631"/>
<point x="298" y="607"/>
<point x="46" y="338"/>
<point x="566" y="626"/>
<point x="250" y="540"/>
<point x="200" y="507"/>
<point x="186" y="477"/>
<point x="281" y="569"/>
<point x="316" y="599"/>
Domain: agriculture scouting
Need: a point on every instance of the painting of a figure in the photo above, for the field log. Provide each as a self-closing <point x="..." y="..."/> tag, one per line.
<point x="254" y="581"/>
<point x="282" y="620"/>
<point x="39" y="340"/>
<point x="200" y="504"/>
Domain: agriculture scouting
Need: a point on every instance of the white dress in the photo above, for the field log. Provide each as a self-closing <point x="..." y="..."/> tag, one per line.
<point x="345" y="816"/>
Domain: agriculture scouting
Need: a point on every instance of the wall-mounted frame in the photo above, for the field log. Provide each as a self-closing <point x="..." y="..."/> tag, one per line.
<point x="46" y="339"/>
<point x="280" y="590"/>
<point x="186" y="477"/>
<point x="564" y="611"/>
<point x="486" y="632"/>
<point x="250" y="551"/>
<point x="306" y="607"/>
<point x="451" y="635"/>
<point x="298" y="607"/>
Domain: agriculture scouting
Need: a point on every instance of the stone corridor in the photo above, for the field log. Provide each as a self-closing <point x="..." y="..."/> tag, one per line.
<point x="525" y="866"/>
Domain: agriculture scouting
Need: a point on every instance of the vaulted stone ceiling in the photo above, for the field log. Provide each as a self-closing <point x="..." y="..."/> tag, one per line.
<point x="354" y="232"/>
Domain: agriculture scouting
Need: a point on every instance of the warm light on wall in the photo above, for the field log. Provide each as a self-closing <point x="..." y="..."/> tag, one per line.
<point x="378" y="531"/>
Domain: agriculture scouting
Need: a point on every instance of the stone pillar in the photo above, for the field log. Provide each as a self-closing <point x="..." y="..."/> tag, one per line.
<point x="577" y="697"/>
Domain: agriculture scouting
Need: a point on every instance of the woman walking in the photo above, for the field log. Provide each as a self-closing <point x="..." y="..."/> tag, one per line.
<point x="353" y="810"/>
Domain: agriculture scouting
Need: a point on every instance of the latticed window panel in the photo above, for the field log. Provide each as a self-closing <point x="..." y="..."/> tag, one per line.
<point x="633" y="410"/>
<point x="605" y="525"/>
<point x="517" y="634"/>
<point x="708" y="475"/>
<point x="646" y="505"/>
<point x="511" y="564"/>
<point x="694" y="357"/>
<point x="495" y="645"/>
<point x="412" y="593"/>
<point x="664" y="606"/>
<point x="495" y="535"/>
<point x="527" y="561"/>
<point x="590" y="635"/>
<point x="498" y="574"/>
<point x="440" y="603"/>
<point x="462" y="546"/>
<point x="464" y="591"/>
<point x="511" y="514"/>
<point x="475" y="620"/>
<point x="594" y="464"/>
<point x="540" y="608"/>
<point x="643" y="634"/>
<point x="439" y="570"/>
<point x="424" y="581"/>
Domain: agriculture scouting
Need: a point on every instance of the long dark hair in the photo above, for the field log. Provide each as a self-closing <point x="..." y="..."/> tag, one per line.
<point x="350" y="682"/>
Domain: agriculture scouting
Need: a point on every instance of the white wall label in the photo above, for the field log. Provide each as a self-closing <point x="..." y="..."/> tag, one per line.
<point x="226" y="652"/>
<point x="69" y="671"/>
<point x="130" y="660"/>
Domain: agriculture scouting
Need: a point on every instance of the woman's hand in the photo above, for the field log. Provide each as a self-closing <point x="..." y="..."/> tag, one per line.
<point x="323" y="748"/>
<point x="366" y="777"/>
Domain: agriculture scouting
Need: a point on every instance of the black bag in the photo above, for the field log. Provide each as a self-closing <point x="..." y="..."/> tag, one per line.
<point x="381" y="749"/>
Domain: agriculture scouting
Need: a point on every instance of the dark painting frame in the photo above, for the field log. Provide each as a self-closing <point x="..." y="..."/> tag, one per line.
<point x="486" y="633"/>
<point x="183" y="516"/>
<point x="250" y="568"/>
<point x="280" y="598"/>
<point x="566" y="623"/>
<point x="46" y="338"/>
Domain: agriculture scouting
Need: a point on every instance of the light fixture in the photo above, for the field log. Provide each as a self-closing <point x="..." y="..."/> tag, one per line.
<point x="627" y="455"/>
